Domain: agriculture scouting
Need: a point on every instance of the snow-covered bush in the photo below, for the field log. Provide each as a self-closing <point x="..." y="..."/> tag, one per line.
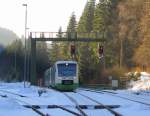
<point x="137" y="74"/>
<point x="134" y="75"/>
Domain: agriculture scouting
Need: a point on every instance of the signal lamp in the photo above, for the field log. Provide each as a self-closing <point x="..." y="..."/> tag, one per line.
<point x="101" y="51"/>
<point x="72" y="48"/>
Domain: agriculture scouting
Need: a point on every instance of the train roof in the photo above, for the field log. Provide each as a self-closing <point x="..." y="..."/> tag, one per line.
<point x="69" y="61"/>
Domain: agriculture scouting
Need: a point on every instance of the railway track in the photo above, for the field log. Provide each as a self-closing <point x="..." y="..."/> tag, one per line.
<point x="36" y="108"/>
<point x="104" y="106"/>
<point x="76" y="104"/>
<point x="13" y="93"/>
<point x="15" y="99"/>
<point x="100" y="105"/>
<point x="119" y="96"/>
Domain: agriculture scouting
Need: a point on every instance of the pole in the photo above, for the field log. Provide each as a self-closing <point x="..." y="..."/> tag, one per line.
<point x="121" y="53"/>
<point x="15" y="57"/>
<point x="28" y="59"/>
<point x="25" y="58"/>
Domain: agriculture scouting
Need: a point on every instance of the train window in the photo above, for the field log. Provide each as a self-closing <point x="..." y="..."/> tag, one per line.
<point x="66" y="70"/>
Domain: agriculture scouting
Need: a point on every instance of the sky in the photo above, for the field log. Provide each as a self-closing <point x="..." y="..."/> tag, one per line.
<point x="42" y="15"/>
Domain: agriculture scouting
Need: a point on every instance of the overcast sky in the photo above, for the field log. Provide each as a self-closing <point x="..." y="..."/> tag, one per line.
<point x="43" y="15"/>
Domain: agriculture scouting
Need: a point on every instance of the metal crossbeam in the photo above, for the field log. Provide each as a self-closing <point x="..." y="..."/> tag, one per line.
<point x="70" y="40"/>
<point x="67" y="36"/>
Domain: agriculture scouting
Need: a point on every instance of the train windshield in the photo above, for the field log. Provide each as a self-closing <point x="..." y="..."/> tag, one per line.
<point x="66" y="70"/>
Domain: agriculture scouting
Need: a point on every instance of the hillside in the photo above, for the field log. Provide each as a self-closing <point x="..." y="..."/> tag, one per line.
<point x="1" y="48"/>
<point x="7" y="36"/>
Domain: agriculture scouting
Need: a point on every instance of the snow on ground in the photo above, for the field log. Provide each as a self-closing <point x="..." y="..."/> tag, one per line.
<point x="48" y="98"/>
<point x="128" y="108"/>
<point x="8" y="107"/>
<point x="82" y="100"/>
<point x="11" y="107"/>
<point x="51" y="97"/>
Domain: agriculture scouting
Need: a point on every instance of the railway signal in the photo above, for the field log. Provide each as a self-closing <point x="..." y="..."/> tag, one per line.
<point x="101" y="51"/>
<point x="72" y="50"/>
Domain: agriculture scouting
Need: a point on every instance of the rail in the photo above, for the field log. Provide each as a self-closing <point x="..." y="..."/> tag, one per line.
<point x="116" y="95"/>
<point x="36" y="107"/>
<point x="97" y="86"/>
<point x="13" y="93"/>
<point x="33" y="108"/>
<point x="77" y="105"/>
<point x="105" y="106"/>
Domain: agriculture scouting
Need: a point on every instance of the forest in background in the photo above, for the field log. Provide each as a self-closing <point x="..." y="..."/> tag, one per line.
<point x="124" y="25"/>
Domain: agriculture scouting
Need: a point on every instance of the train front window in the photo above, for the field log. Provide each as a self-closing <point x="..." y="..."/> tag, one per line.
<point x="66" y="70"/>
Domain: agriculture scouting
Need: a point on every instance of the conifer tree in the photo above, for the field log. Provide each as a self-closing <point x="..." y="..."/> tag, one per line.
<point x="42" y="58"/>
<point x="72" y="23"/>
<point x="142" y="53"/>
<point x="60" y="34"/>
<point x="105" y="23"/>
<point x="86" y="21"/>
<point x="55" y="50"/>
<point x="129" y="15"/>
<point x="71" y="30"/>
<point x="86" y="52"/>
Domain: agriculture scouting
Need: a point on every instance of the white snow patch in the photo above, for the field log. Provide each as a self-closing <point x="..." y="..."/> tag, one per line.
<point x="142" y="84"/>
<point x="10" y="107"/>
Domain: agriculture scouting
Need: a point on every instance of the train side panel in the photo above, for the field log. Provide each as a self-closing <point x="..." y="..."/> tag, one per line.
<point x="63" y="75"/>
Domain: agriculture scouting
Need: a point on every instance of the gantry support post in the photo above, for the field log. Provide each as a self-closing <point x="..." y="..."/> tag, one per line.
<point x="33" y="62"/>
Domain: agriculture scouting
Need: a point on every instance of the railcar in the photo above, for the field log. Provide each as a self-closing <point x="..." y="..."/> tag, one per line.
<point x="63" y="75"/>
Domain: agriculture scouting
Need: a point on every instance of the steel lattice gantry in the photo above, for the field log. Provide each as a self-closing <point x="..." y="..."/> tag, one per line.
<point x="55" y="36"/>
